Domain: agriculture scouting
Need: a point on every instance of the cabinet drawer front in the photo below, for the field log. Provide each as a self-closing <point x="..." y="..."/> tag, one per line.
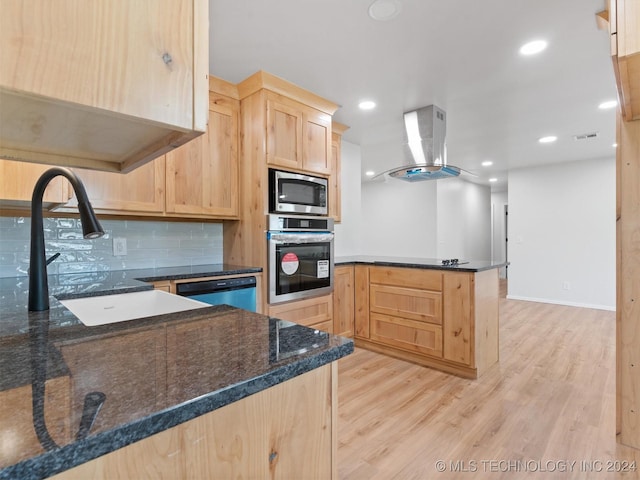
<point x="407" y="277"/>
<point x="411" y="303"/>
<point x="407" y="334"/>
<point x="324" y="326"/>
<point x="305" y="312"/>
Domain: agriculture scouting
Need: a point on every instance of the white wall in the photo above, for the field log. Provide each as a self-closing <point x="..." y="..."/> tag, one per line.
<point x="463" y="220"/>
<point x="399" y="219"/>
<point x="448" y="218"/>
<point x="348" y="231"/>
<point x="562" y="234"/>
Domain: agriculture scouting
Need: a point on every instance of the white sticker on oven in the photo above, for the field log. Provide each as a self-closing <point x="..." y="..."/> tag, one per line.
<point x="290" y="263"/>
<point x="323" y="268"/>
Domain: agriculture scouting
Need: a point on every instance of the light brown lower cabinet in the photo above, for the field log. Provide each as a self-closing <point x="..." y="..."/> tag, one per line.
<point x="164" y="285"/>
<point x="284" y="432"/>
<point x="316" y="312"/>
<point x="343" y="300"/>
<point x="442" y="319"/>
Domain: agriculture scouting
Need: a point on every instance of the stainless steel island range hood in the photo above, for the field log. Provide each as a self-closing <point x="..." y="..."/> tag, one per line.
<point x="425" y="150"/>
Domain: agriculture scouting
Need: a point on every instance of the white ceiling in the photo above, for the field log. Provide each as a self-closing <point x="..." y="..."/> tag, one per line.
<point x="461" y="55"/>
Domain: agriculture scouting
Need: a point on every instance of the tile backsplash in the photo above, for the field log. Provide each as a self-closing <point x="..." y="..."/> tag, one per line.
<point x="149" y="245"/>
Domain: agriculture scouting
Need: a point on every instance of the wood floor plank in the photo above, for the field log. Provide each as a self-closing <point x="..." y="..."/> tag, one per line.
<point x="547" y="410"/>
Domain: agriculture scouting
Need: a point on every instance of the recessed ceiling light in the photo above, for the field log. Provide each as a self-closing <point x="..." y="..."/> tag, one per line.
<point x="548" y="139"/>
<point x="369" y="173"/>
<point x="493" y="179"/>
<point x="615" y="145"/>
<point x="367" y="105"/>
<point x="608" y="104"/>
<point x="533" y="47"/>
<point x="487" y="163"/>
<point x="383" y="10"/>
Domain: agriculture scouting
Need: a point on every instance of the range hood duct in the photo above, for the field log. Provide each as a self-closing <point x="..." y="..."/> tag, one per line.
<point x="425" y="150"/>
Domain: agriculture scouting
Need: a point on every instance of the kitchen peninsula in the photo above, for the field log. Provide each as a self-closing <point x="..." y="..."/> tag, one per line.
<point x="418" y="309"/>
<point x="214" y="389"/>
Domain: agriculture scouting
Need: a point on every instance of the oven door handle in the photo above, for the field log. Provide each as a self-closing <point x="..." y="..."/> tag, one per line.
<point x="280" y="238"/>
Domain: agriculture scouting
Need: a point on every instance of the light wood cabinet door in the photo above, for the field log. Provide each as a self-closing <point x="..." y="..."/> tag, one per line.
<point x="284" y="133"/>
<point x="343" y="301"/>
<point x="164" y="285"/>
<point x="298" y="136"/>
<point x="108" y="86"/>
<point x="624" y="28"/>
<point x="138" y="192"/>
<point x="202" y="176"/>
<point x="309" y="312"/>
<point x="316" y="143"/>
<point x="411" y="303"/>
<point x="335" y="178"/>
<point x="411" y="335"/>
<point x="17" y="180"/>
<point x="458" y="294"/>
<point x="361" y="320"/>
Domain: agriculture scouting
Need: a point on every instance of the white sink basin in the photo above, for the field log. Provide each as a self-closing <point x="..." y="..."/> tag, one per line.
<point x="105" y="309"/>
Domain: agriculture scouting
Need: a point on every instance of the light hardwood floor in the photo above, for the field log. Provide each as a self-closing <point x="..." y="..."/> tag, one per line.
<point x="549" y="402"/>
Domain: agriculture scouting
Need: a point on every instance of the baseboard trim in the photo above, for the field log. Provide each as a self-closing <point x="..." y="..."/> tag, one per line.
<point x="558" y="302"/>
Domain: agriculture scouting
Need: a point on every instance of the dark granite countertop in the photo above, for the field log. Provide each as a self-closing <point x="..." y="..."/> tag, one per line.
<point x="415" y="262"/>
<point x="146" y="375"/>
<point x="14" y="291"/>
<point x="194" y="271"/>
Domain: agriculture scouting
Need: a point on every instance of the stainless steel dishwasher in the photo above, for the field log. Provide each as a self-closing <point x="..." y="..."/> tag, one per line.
<point x="237" y="292"/>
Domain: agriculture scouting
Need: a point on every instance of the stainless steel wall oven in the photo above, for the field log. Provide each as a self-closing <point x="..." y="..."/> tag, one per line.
<point x="300" y="257"/>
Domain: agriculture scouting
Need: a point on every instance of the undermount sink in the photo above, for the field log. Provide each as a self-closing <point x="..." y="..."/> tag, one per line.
<point x="106" y="309"/>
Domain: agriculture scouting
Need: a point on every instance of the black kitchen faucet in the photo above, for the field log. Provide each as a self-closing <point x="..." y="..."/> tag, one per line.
<point x="91" y="228"/>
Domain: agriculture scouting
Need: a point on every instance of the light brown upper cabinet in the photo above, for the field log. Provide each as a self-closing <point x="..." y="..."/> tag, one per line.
<point x="202" y="176"/>
<point x="298" y="136"/>
<point x="138" y="192"/>
<point x="297" y="123"/>
<point x="17" y="180"/>
<point x="109" y="86"/>
<point x="335" y="179"/>
<point x="624" y="27"/>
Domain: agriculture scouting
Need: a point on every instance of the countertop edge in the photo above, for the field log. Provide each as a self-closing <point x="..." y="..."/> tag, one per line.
<point x="69" y="456"/>
<point x="404" y="264"/>
<point x="184" y="276"/>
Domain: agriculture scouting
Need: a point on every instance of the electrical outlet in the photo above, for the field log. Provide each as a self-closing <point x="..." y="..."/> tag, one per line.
<point x="566" y="285"/>
<point x="119" y="246"/>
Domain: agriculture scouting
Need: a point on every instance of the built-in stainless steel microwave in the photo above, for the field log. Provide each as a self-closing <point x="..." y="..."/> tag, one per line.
<point x="297" y="193"/>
